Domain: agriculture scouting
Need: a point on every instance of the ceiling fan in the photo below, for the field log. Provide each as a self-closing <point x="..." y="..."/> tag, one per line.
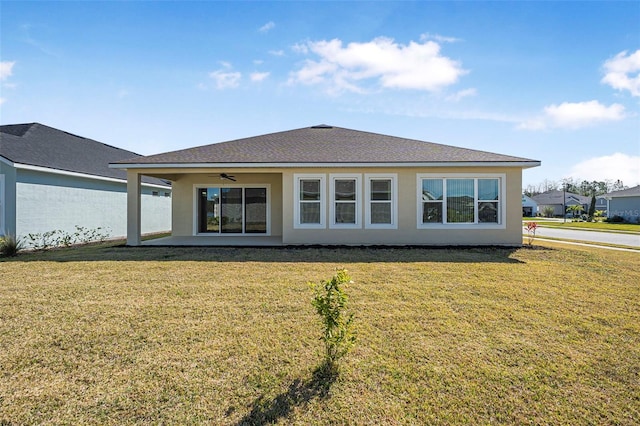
<point x="228" y="177"/>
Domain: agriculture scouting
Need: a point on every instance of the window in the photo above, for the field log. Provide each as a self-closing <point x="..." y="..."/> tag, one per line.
<point x="310" y="201"/>
<point x="381" y="201"/>
<point x="460" y="200"/>
<point x="345" y="201"/>
<point x="488" y="196"/>
<point x="232" y="210"/>
<point x="432" y="200"/>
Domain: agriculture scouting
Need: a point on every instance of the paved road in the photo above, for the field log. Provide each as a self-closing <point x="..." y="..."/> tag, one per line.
<point x="632" y="240"/>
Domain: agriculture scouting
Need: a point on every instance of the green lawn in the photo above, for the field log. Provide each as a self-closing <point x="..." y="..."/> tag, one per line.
<point x="114" y="335"/>
<point x="598" y="226"/>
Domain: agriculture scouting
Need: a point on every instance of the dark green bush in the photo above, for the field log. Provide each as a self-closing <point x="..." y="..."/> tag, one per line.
<point x="615" y="219"/>
<point x="9" y="246"/>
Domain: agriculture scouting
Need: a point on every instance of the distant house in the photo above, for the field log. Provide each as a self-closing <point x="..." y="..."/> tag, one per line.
<point x="330" y="185"/>
<point x="559" y="201"/>
<point x="601" y="204"/>
<point x="625" y="203"/>
<point x="53" y="180"/>
<point x="529" y="206"/>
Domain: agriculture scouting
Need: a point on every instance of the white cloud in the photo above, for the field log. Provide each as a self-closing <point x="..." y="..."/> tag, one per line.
<point x="461" y="94"/>
<point x="609" y="167"/>
<point x="6" y="69"/>
<point x="537" y="123"/>
<point x="267" y="27"/>
<point x="300" y="48"/>
<point x="574" y="115"/>
<point x="417" y="66"/>
<point x="259" y="76"/>
<point x="623" y="72"/>
<point x="439" y="38"/>
<point x="581" y="114"/>
<point x="276" y="52"/>
<point x="225" y="78"/>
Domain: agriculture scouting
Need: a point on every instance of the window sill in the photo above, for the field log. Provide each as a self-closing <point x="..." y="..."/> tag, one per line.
<point x="450" y="226"/>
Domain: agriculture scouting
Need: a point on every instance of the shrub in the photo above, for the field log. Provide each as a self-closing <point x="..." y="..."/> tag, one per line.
<point x="44" y="240"/>
<point x="547" y="211"/>
<point x="615" y="219"/>
<point x="9" y="245"/>
<point x="331" y="302"/>
<point x="531" y="228"/>
<point x="59" y="238"/>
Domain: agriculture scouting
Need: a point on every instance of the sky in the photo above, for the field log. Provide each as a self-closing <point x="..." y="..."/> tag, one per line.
<point x="557" y="82"/>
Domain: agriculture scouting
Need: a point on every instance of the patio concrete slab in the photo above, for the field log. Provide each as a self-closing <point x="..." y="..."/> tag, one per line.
<point x="206" y="240"/>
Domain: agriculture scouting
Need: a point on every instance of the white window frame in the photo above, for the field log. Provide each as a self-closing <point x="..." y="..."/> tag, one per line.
<point x="243" y="186"/>
<point x="358" y="201"/>
<point x="393" y="177"/>
<point x="502" y="200"/>
<point x="298" y="177"/>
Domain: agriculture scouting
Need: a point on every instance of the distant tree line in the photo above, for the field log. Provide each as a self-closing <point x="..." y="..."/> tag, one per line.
<point x="586" y="188"/>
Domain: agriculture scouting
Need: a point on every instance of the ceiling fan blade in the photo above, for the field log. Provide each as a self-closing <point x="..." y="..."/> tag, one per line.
<point x="226" y="176"/>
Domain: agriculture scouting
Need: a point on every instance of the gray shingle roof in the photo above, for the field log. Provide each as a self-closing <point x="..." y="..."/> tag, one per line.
<point x="324" y="144"/>
<point x="630" y="192"/>
<point x="35" y="144"/>
<point x="559" y="197"/>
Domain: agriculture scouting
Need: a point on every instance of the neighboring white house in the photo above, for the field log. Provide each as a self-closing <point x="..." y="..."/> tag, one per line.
<point x="529" y="206"/>
<point x="51" y="180"/>
<point x="624" y="203"/>
<point x="330" y="185"/>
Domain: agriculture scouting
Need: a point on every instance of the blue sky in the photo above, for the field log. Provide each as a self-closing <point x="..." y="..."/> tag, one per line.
<point x="554" y="81"/>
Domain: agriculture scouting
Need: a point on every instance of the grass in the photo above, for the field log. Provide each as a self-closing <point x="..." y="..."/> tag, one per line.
<point x="599" y="244"/>
<point x="105" y="334"/>
<point x="596" y="226"/>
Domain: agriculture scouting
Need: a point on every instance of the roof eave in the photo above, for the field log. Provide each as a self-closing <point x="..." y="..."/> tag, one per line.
<point x="22" y="166"/>
<point x="521" y="164"/>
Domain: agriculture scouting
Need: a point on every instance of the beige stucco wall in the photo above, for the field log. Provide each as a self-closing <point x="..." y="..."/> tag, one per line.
<point x="281" y="184"/>
<point x="407" y="232"/>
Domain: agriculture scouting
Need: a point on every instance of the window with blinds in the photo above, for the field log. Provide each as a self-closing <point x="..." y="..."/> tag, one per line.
<point x="459" y="200"/>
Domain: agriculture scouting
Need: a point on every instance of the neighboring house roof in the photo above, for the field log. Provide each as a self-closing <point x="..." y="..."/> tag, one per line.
<point x="324" y="145"/>
<point x="559" y="197"/>
<point x="35" y="144"/>
<point x="631" y="192"/>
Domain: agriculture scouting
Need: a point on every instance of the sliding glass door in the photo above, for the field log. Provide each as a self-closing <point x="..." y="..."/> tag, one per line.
<point x="255" y="208"/>
<point x="234" y="210"/>
<point x="231" y="211"/>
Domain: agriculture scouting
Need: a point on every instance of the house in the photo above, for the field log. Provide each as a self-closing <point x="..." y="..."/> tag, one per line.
<point x="51" y="180"/>
<point x="330" y="185"/>
<point x="601" y="204"/>
<point x="624" y="203"/>
<point x="529" y="206"/>
<point x="560" y="201"/>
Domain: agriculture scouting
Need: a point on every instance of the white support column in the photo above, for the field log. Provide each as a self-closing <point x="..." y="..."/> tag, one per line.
<point x="133" y="208"/>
